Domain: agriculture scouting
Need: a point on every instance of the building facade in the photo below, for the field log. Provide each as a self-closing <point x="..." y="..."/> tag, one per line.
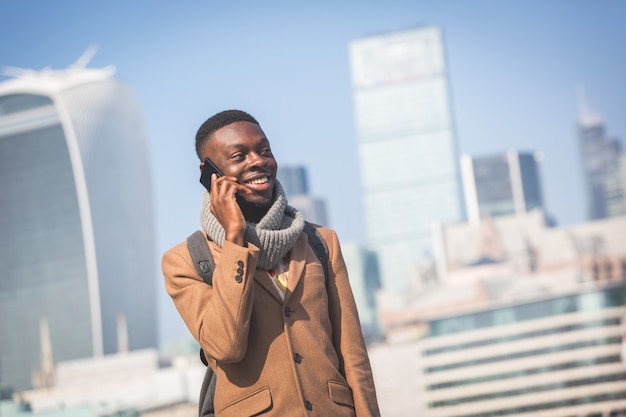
<point x="501" y="185"/>
<point x="407" y="147"/>
<point x="552" y="357"/>
<point x="77" y="247"/>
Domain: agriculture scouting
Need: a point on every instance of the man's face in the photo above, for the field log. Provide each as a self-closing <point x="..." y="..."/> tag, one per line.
<point x="241" y="150"/>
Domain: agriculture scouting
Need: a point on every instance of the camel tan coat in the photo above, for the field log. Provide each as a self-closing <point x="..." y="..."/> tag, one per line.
<point x="304" y="356"/>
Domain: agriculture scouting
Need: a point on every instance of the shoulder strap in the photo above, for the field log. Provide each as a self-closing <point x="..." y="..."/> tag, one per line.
<point x="203" y="261"/>
<point x="318" y="244"/>
<point x="201" y="255"/>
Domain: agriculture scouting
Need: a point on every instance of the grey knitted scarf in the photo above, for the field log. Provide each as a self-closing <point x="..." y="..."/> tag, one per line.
<point x="274" y="235"/>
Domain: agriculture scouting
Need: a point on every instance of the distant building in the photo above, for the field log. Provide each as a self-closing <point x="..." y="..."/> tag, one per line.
<point x="362" y="265"/>
<point x="122" y="384"/>
<point x="509" y="257"/>
<point x="555" y="356"/>
<point x="528" y="320"/>
<point x="294" y="179"/>
<point x="602" y="163"/>
<point x="525" y="244"/>
<point x="296" y="186"/>
<point x="407" y="147"/>
<point x="615" y="189"/>
<point x="77" y="247"/>
<point x="501" y="184"/>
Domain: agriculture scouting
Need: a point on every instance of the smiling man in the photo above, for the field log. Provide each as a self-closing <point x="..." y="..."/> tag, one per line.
<point x="282" y="335"/>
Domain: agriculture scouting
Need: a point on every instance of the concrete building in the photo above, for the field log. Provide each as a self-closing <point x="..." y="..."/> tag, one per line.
<point x="407" y="147"/>
<point x="77" y="247"/>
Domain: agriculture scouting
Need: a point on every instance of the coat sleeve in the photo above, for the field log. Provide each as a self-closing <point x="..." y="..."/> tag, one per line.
<point x="217" y="316"/>
<point x="347" y="335"/>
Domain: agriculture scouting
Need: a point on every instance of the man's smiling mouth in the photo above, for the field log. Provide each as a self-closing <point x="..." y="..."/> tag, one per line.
<point x="258" y="181"/>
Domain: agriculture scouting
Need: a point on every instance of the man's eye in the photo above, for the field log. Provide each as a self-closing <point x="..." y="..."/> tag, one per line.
<point x="236" y="156"/>
<point x="266" y="151"/>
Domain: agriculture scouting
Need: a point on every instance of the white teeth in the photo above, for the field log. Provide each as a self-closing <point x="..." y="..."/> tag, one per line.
<point x="258" y="181"/>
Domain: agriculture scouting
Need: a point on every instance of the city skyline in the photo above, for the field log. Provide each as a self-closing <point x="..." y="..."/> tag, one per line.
<point x="514" y="68"/>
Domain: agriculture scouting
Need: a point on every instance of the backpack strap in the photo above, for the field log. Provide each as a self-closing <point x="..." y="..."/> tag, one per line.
<point x="198" y="247"/>
<point x="202" y="258"/>
<point x="318" y="244"/>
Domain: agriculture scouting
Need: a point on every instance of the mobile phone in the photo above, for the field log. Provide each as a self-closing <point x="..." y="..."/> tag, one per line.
<point x="208" y="169"/>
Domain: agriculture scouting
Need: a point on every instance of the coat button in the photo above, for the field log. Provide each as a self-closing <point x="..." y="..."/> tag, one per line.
<point x="238" y="278"/>
<point x="288" y="311"/>
<point x="308" y="405"/>
<point x="240" y="271"/>
<point x="240" y="264"/>
<point x="297" y="358"/>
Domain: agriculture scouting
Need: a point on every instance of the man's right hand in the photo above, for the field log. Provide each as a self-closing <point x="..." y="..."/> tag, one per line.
<point x="225" y="208"/>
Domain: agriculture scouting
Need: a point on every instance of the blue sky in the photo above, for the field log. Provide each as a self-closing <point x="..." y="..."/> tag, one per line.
<point x="513" y="68"/>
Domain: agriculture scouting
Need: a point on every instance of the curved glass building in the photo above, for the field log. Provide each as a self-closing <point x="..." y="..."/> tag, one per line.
<point x="77" y="239"/>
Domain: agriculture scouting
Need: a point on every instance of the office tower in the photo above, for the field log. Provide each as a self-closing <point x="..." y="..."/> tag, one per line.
<point x="501" y="185"/>
<point x="407" y="147"/>
<point x="295" y="183"/>
<point x="601" y="165"/>
<point x="77" y="247"/>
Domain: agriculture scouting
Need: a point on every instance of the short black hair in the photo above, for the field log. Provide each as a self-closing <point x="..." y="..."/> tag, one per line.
<point x="218" y="121"/>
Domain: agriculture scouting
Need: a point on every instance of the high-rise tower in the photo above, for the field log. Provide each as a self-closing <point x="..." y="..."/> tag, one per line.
<point x="407" y="146"/>
<point x="77" y="246"/>
<point x="602" y="165"/>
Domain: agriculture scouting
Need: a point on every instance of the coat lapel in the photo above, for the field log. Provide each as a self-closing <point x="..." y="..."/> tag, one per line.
<point x="296" y="264"/>
<point x="265" y="281"/>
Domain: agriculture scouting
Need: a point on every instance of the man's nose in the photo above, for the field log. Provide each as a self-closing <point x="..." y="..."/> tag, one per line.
<point x="257" y="160"/>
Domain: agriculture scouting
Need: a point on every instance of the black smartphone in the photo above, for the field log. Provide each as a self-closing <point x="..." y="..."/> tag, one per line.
<point x="208" y="169"/>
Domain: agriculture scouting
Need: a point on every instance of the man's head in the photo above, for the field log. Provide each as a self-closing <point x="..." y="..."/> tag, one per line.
<point x="218" y="121"/>
<point x="234" y="141"/>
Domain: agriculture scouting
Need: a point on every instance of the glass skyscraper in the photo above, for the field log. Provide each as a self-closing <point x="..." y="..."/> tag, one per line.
<point x="602" y="171"/>
<point x="407" y="146"/>
<point x="501" y="185"/>
<point x="77" y="241"/>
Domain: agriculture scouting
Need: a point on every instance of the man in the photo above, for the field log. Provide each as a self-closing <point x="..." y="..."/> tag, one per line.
<point x="281" y="340"/>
